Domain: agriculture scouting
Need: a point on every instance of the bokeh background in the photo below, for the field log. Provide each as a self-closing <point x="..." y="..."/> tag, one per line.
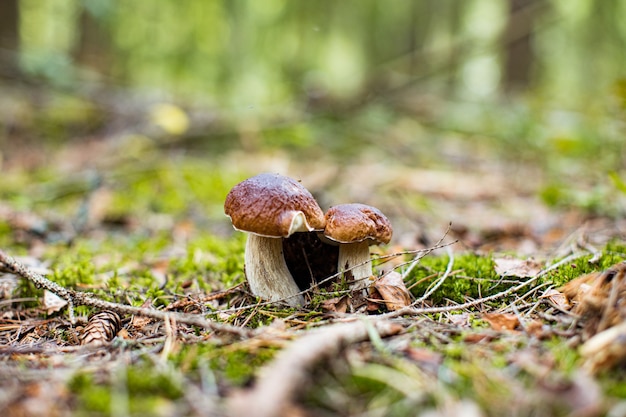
<point x="492" y="114"/>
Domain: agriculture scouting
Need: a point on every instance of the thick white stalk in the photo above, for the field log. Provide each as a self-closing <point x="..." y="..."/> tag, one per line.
<point x="355" y="259"/>
<point x="267" y="272"/>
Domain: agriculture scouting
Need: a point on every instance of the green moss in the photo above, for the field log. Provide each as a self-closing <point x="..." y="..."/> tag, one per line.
<point x="476" y="278"/>
<point x="81" y="271"/>
<point x="613" y="383"/>
<point x="167" y="187"/>
<point x="92" y="397"/>
<point x="144" y="380"/>
<point x="212" y="262"/>
<point x="6" y="234"/>
<point x="566" y="359"/>
<point x="142" y="389"/>
<point x="475" y="274"/>
<point x="234" y="365"/>
<point x="613" y="253"/>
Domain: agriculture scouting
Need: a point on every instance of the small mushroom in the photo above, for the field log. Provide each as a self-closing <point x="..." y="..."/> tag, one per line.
<point x="354" y="227"/>
<point x="271" y="207"/>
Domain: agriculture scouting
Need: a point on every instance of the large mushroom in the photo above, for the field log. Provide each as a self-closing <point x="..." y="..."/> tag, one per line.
<point x="354" y="227"/>
<point x="271" y="207"/>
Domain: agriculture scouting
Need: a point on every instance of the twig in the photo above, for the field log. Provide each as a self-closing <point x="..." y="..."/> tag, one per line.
<point x="432" y="310"/>
<point x="16" y="300"/>
<point x="414" y="263"/>
<point x="441" y="280"/>
<point x="597" y="254"/>
<point x="288" y="372"/>
<point x="80" y="298"/>
<point x="528" y="294"/>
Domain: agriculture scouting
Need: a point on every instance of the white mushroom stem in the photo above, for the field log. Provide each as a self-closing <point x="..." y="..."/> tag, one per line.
<point x="355" y="259"/>
<point x="267" y="272"/>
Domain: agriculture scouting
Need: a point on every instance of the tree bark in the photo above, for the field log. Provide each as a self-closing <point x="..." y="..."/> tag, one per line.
<point x="518" y="44"/>
<point x="94" y="49"/>
<point x="9" y="38"/>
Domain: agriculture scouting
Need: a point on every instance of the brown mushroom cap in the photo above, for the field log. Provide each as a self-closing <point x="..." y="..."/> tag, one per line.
<point x="273" y="205"/>
<point x="351" y="223"/>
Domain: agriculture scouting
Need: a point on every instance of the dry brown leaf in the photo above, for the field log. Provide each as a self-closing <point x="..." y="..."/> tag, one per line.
<point x="138" y="322"/>
<point x="123" y="334"/>
<point x="599" y="298"/>
<point x="478" y="337"/>
<point x="392" y="289"/>
<point x="557" y="298"/>
<point x="374" y="301"/>
<point x="501" y="321"/>
<point x="424" y="356"/>
<point x="336" y="305"/>
<point x="578" y="287"/>
<point x="537" y="329"/>
<point x="522" y="268"/>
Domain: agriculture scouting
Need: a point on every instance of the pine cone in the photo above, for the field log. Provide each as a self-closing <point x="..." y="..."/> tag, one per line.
<point x="101" y="328"/>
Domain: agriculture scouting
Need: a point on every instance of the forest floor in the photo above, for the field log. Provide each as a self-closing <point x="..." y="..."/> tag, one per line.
<point x="511" y="261"/>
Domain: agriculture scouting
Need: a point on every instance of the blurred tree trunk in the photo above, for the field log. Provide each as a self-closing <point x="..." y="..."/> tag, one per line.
<point x="9" y="38"/>
<point x="94" y="49"/>
<point x="518" y="44"/>
<point x="455" y="56"/>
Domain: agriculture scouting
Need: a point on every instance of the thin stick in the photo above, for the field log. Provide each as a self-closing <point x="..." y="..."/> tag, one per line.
<point x="431" y="310"/>
<point x="418" y="258"/>
<point x="80" y="298"/>
<point x="441" y="280"/>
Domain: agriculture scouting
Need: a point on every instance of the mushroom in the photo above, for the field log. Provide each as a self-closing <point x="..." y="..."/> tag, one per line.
<point x="354" y="227"/>
<point x="271" y="207"/>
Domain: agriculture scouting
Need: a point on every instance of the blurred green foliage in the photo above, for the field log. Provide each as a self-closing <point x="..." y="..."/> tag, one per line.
<point x="428" y="84"/>
<point x="243" y="54"/>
